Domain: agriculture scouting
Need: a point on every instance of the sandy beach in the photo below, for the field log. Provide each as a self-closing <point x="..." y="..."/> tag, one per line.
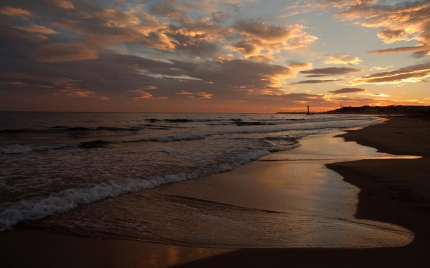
<point x="395" y="191"/>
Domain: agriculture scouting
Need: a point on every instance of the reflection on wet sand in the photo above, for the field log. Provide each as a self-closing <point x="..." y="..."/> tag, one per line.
<point x="263" y="204"/>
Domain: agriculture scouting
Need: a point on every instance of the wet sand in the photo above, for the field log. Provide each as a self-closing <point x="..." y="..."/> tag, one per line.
<point x="395" y="191"/>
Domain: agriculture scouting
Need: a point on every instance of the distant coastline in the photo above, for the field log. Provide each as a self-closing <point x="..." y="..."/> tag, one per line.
<point x="367" y="109"/>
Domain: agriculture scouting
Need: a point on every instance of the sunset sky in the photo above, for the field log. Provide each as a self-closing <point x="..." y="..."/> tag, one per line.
<point x="212" y="55"/>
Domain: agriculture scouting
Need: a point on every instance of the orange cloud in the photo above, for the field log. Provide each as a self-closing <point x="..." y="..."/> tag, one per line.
<point x="347" y="90"/>
<point x="263" y="31"/>
<point x="183" y="92"/>
<point x="15" y="11"/>
<point x="400" y="50"/>
<point x="62" y="3"/>
<point x="138" y="94"/>
<point x="35" y="29"/>
<point x="343" y="3"/>
<point x="264" y="91"/>
<point x="410" y="74"/>
<point x="263" y="39"/>
<point x="61" y="52"/>
<point x="201" y="95"/>
<point x="399" y="22"/>
<point x="115" y="17"/>
<point x="80" y="93"/>
<point x="150" y="87"/>
<point x="16" y="84"/>
<point x="149" y="34"/>
<point x="342" y="59"/>
<point x="391" y="36"/>
<point x="300" y="65"/>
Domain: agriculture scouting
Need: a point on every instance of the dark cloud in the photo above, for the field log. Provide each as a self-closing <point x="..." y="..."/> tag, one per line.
<point x="15" y="12"/>
<point x="171" y="11"/>
<point x="390" y="36"/>
<point x="263" y="31"/>
<point x="423" y="48"/>
<point x="331" y="71"/>
<point x="347" y="90"/>
<point x="64" y="52"/>
<point x="314" y="81"/>
<point x="299" y="65"/>
<point x="409" y="74"/>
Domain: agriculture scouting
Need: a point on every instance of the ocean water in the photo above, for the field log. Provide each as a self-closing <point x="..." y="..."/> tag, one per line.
<point x="57" y="162"/>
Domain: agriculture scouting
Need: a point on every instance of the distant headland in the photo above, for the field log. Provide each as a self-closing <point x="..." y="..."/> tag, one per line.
<point x="367" y="109"/>
<point x="392" y="109"/>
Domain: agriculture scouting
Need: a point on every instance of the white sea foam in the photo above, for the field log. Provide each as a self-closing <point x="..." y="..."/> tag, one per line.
<point x="110" y="163"/>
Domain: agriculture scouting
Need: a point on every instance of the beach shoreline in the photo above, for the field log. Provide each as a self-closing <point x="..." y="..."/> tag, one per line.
<point x="381" y="198"/>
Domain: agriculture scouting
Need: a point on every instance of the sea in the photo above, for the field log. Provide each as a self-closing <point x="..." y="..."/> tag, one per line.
<point x="51" y="163"/>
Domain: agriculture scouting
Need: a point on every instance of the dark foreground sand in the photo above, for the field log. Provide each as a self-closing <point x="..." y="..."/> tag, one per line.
<point x="396" y="191"/>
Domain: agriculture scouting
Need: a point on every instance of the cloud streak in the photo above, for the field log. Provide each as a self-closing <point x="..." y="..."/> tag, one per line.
<point x="331" y="71"/>
<point x="320" y="81"/>
<point x="409" y="74"/>
<point x="347" y="90"/>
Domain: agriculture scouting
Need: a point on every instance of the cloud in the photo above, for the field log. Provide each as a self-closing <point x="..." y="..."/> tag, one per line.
<point x="183" y="92"/>
<point x="80" y="93"/>
<point x="331" y="71"/>
<point x="20" y="84"/>
<point x="60" y="52"/>
<point x="343" y="3"/>
<point x="320" y="81"/>
<point x="347" y="90"/>
<point x="138" y="94"/>
<point x="409" y="74"/>
<point x="36" y="29"/>
<point x="342" y="59"/>
<point x="62" y="4"/>
<point x="378" y="95"/>
<point x="147" y="33"/>
<point x="382" y="67"/>
<point x="15" y="11"/>
<point x="403" y="21"/>
<point x="197" y="95"/>
<point x="259" y="38"/>
<point x="264" y="32"/>
<point x="401" y="50"/>
<point x="300" y="65"/>
<point x="391" y="36"/>
<point x="201" y="95"/>
<point x="150" y="88"/>
<point x="263" y="92"/>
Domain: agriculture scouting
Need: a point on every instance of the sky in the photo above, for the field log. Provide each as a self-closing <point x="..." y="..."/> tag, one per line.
<point x="244" y="56"/>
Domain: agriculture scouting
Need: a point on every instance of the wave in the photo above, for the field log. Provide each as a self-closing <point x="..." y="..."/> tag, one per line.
<point x="181" y="120"/>
<point x="281" y="143"/>
<point x="21" y="149"/>
<point x="175" y="138"/>
<point x="64" y="129"/>
<point x="34" y="209"/>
